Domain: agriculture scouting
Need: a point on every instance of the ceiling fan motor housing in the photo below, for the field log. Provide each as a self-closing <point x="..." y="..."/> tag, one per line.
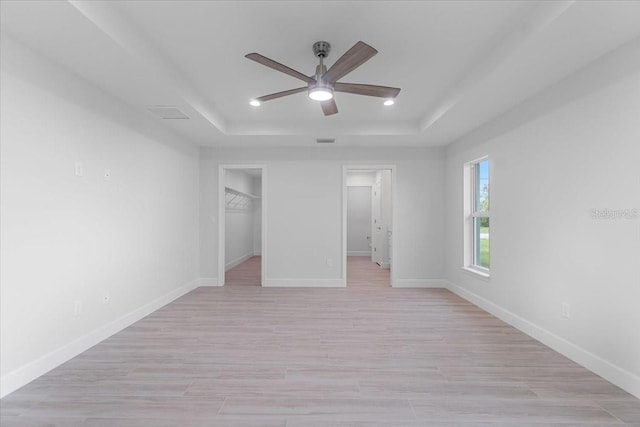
<point x="321" y="49"/>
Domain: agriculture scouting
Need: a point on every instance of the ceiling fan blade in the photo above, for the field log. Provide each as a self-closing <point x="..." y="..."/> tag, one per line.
<point x="352" y="59"/>
<point x="368" y="90"/>
<point x="278" y="67"/>
<point x="329" y="107"/>
<point x="281" y="94"/>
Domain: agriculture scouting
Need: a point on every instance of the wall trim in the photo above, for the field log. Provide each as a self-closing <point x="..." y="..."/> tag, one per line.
<point x="208" y="281"/>
<point x="607" y="370"/>
<point x="420" y="283"/>
<point x="359" y="253"/>
<point x="23" y="375"/>
<point x="237" y="261"/>
<point x="305" y="283"/>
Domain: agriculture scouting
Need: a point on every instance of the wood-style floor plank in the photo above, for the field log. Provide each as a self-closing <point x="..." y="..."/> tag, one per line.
<point x="365" y="355"/>
<point x="363" y="273"/>
<point x="247" y="273"/>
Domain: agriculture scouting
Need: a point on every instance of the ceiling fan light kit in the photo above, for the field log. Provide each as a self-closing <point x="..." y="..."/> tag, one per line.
<point x="322" y="85"/>
<point x="319" y="93"/>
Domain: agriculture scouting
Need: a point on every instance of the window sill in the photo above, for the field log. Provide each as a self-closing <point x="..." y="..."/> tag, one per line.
<point x="476" y="272"/>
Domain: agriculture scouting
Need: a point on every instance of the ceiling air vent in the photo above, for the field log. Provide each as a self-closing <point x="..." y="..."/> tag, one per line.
<point x="167" y="112"/>
<point x="325" y="140"/>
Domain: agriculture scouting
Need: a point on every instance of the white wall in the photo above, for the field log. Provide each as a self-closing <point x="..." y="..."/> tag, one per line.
<point x="303" y="198"/>
<point x="64" y="238"/>
<point x="359" y="211"/>
<point x="361" y="178"/>
<point x="208" y="218"/>
<point x="239" y="236"/>
<point x="358" y="220"/>
<point x="239" y="180"/>
<point x="571" y="149"/>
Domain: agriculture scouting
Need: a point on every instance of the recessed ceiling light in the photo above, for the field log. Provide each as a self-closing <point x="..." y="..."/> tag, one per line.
<point x="254" y="103"/>
<point x="389" y="102"/>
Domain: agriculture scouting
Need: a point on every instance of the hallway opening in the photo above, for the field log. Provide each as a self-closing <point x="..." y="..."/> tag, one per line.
<point x="241" y="225"/>
<point x="368" y="225"/>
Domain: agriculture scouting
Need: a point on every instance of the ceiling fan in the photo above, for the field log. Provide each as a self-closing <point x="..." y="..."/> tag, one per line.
<point x="324" y="82"/>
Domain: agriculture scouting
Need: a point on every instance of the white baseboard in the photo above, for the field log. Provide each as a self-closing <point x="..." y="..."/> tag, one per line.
<point x="229" y="265"/>
<point x="22" y="376"/>
<point x="420" y="283"/>
<point x="304" y="283"/>
<point x="257" y="253"/>
<point x="208" y="281"/>
<point x="612" y="373"/>
<point x="358" y="253"/>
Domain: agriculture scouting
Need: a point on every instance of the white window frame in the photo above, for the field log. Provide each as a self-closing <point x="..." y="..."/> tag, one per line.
<point x="470" y="215"/>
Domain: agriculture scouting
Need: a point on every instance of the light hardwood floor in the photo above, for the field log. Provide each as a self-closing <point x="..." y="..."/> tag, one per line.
<point x="367" y="355"/>
<point x="363" y="273"/>
<point x="247" y="273"/>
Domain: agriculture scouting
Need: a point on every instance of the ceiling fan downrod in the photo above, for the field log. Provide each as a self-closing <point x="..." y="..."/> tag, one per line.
<point x="321" y="50"/>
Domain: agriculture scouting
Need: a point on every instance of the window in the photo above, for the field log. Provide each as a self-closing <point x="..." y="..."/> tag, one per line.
<point x="477" y="219"/>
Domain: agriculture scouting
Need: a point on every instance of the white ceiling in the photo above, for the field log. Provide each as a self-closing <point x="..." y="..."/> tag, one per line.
<point x="459" y="63"/>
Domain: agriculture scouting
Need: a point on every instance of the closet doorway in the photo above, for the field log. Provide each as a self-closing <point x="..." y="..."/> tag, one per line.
<point x="368" y="225"/>
<point x="241" y="213"/>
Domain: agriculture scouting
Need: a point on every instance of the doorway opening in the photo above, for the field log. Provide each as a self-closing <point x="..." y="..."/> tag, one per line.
<point x="240" y="228"/>
<point x="368" y="225"/>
